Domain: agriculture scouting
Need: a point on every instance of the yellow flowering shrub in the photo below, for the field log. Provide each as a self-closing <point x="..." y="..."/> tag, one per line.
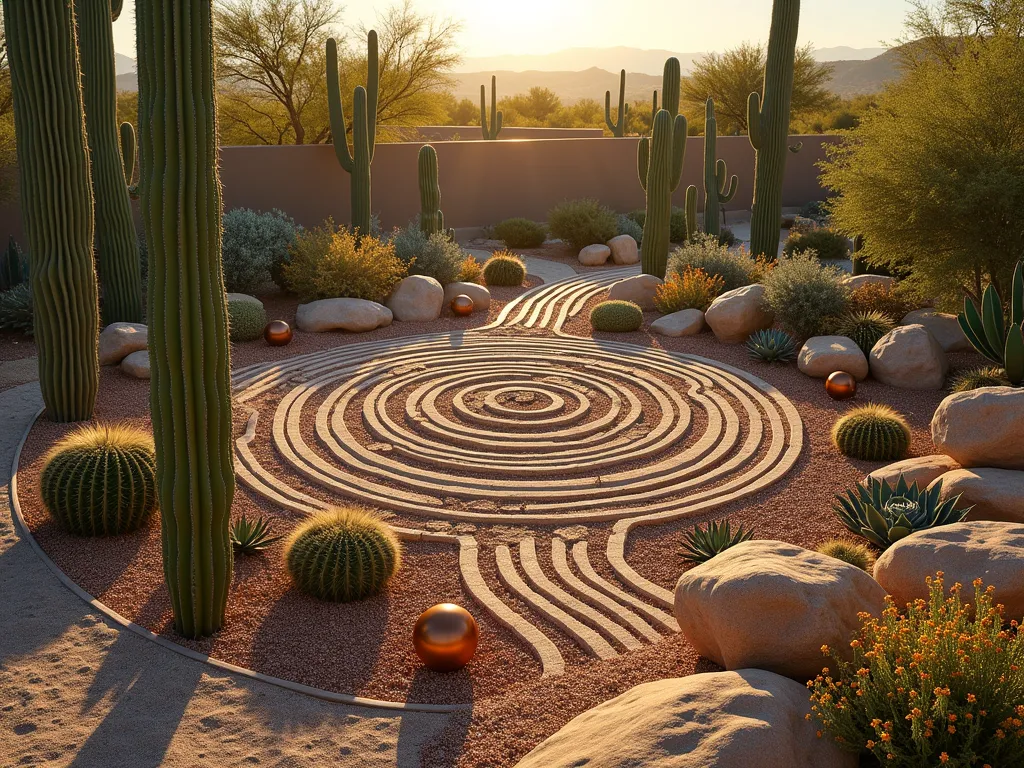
<point x="693" y="288"/>
<point x="941" y="684"/>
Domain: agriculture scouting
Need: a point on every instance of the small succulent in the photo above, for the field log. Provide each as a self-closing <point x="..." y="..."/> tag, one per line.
<point x="884" y="514"/>
<point x="701" y="544"/>
<point x="772" y="346"/>
<point x="851" y="552"/>
<point x="976" y="378"/>
<point x="252" y="536"/>
<point x="865" y="328"/>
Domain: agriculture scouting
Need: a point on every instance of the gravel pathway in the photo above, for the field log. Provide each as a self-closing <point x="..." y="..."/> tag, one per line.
<point x="77" y="691"/>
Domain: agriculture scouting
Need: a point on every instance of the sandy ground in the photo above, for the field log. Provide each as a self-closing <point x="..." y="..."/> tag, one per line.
<point x="76" y="691"/>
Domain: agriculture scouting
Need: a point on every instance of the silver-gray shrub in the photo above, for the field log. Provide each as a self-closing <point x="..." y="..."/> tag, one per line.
<point x="255" y="243"/>
<point x="736" y="267"/>
<point x="436" y="256"/>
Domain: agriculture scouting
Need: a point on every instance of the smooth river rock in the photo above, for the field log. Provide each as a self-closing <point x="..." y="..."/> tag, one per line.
<point x="355" y="315"/>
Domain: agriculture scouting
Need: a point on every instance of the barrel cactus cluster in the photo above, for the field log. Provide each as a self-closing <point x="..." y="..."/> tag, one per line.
<point x="343" y="554"/>
<point x="101" y="480"/>
<point x="873" y="433"/>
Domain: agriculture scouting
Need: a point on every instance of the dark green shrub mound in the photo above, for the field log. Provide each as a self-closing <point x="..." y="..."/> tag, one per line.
<point x="13" y="266"/>
<point x="16" y="309"/>
<point x="976" y="378"/>
<point x="772" y="346"/>
<point x="857" y="555"/>
<point x="582" y="222"/>
<point x="504" y="269"/>
<point x="727" y="237"/>
<point x="343" y="554"/>
<point x="616" y="317"/>
<point x="873" y="433"/>
<point x="702" y="544"/>
<point x="246" y="320"/>
<point x="827" y="244"/>
<point x="520" y="233"/>
<point x="101" y="480"/>
<point x="865" y="328"/>
<point x="677" y="231"/>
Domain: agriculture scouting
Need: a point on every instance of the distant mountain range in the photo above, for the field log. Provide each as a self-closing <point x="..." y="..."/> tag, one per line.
<point x="582" y="73"/>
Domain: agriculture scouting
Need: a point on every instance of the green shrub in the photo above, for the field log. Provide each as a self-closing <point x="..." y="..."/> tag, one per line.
<point x="638" y="217"/>
<point x="327" y="263"/>
<point x="772" y="346"/>
<point x="804" y="294"/>
<point x="865" y="328"/>
<point x="255" y="246"/>
<point x="580" y="223"/>
<point x="816" y="210"/>
<point x="343" y="554"/>
<point x="520" y="233"/>
<point x="628" y="226"/>
<point x="702" y="544"/>
<point x="246" y="320"/>
<point x="616" y="317"/>
<point x="693" y="289"/>
<point x="826" y="244"/>
<point x="939" y="684"/>
<point x="677" y="230"/>
<point x="976" y="378"/>
<point x="857" y="555"/>
<point x="100" y="480"/>
<point x="883" y="514"/>
<point x="436" y="256"/>
<point x="736" y="268"/>
<point x="872" y="432"/>
<point x="504" y="269"/>
<point x="727" y="237"/>
<point x="16" y="309"/>
<point x="13" y="266"/>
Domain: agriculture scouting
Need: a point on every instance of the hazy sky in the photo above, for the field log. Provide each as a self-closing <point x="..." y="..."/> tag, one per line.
<point x="492" y="27"/>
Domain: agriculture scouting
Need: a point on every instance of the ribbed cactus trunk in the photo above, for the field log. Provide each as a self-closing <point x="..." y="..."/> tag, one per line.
<point x="660" y="167"/>
<point x="364" y="128"/>
<point x="431" y="217"/>
<point x="190" y="391"/>
<point x="768" y="126"/>
<point x="719" y="189"/>
<point x="56" y="201"/>
<point x="670" y="86"/>
<point x="618" y="127"/>
<point x="491" y="130"/>
<point x="117" y="246"/>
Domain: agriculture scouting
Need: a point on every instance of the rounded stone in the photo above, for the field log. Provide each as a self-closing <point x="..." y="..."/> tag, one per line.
<point x="417" y="299"/>
<point x="478" y="293"/>
<point x="853" y="282"/>
<point x="909" y="357"/>
<point x="118" y="340"/>
<point x="994" y="494"/>
<point x="944" y="327"/>
<point x="624" y="250"/>
<point x="821" y="356"/>
<point x="982" y="428"/>
<point x="136" y="364"/>
<point x="355" y="315"/>
<point x="639" y="290"/>
<point x="687" y="322"/>
<point x="922" y="470"/>
<point x="736" y="314"/>
<point x="594" y="255"/>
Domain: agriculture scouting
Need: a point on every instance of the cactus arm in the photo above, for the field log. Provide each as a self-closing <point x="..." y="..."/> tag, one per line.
<point x="128" y="152"/>
<point x="115" y="9"/>
<point x="725" y="193"/>
<point x="499" y="122"/>
<point x="608" y="113"/>
<point x="670" y="87"/>
<point x="654" y="107"/>
<point x="483" y="112"/>
<point x="431" y="218"/>
<point x="336" y="108"/>
<point x="679" y="131"/>
<point x="494" y="107"/>
<point x="754" y="120"/>
<point x="691" y="212"/>
<point x="372" y="91"/>
<point x="643" y="160"/>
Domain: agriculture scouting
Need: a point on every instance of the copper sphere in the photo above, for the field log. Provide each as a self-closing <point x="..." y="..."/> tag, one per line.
<point x="841" y="386"/>
<point x="277" y="333"/>
<point x="462" y="305"/>
<point x="445" y="637"/>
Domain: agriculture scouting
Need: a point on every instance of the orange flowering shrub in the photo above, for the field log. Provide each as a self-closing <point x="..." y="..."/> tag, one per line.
<point x="693" y="288"/>
<point x="942" y="684"/>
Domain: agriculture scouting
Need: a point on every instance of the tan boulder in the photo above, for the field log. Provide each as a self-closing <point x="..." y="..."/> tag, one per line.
<point x="624" y="250"/>
<point x="853" y="282"/>
<point x="687" y="322"/>
<point x="909" y="357"/>
<point x="736" y="719"/>
<point x="772" y="605"/>
<point x="736" y="314"/>
<point x="821" y="356"/>
<point x="136" y="364"/>
<point x="990" y="551"/>
<point x="944" y="327"/>
<point x="355" y="315"/>
<point x="595" y="255"/>
<point x="982" y="428"/>
<point x="417" y="299"/>
<point x="478" y="293"/>
<point x="118" y="340"/>
<point x="640" y="290"/>
<point x="995" y="494"/>
<point x="921" y="470"/>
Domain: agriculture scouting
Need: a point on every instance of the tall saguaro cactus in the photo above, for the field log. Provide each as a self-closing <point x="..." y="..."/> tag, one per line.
<point x="490" y="131"/>
<point x="56" y="200"/>
<point x="660" y="170"/>
<point x="431" y="216"/>
<point x="117" y="246"/>
<point x="190" y="391"/>
<point x="670" y="84"/>
<point x="719" y="189"/>
<point x="768" y="126"/>
<point x="618" y="128"/>
<point x="364" y="128"/>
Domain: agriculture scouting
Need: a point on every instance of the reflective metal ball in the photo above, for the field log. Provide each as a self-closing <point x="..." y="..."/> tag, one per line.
<point x="445" y="637"/>
<point x="462" y="305"/>
<point x="841" y="386"/>
<point x="277" y="333"/>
